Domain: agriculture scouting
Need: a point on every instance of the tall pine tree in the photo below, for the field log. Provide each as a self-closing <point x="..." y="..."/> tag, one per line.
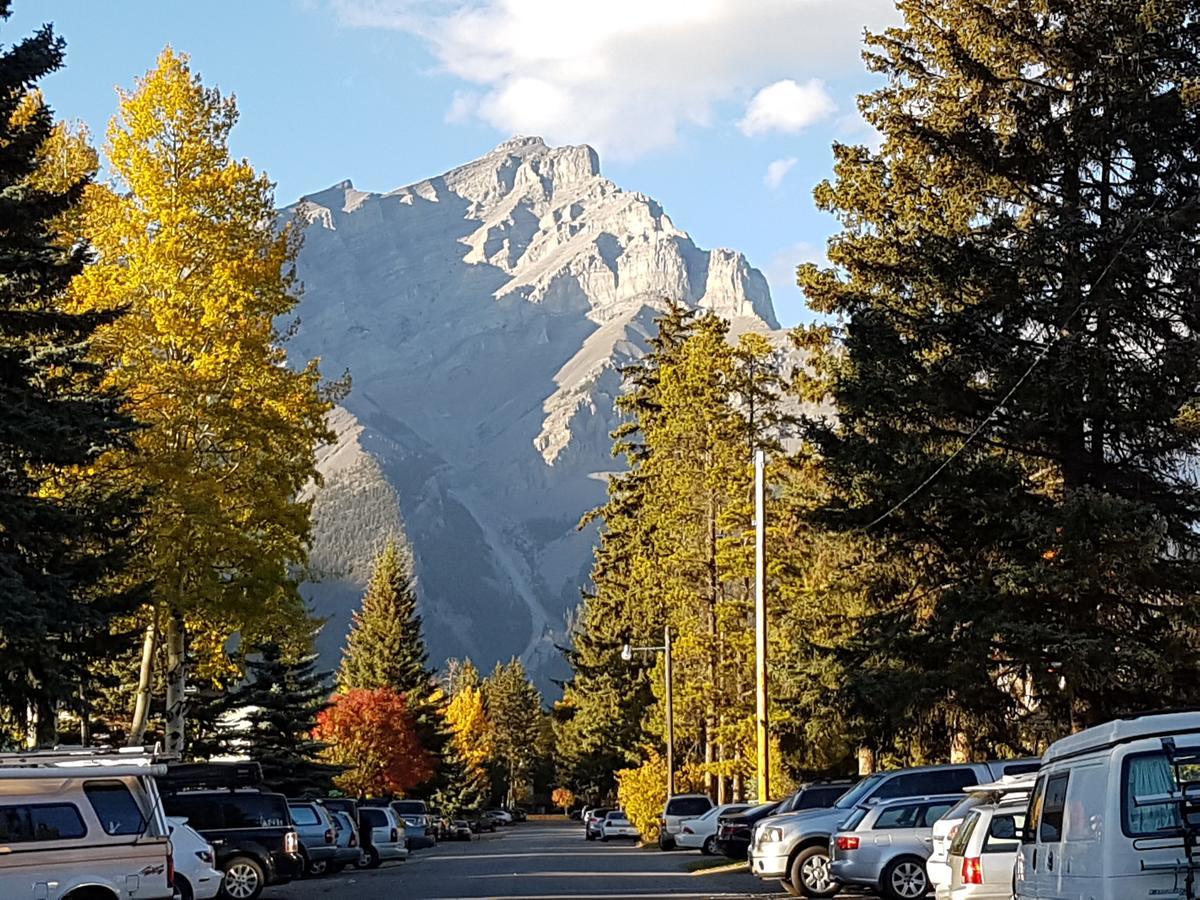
<point x="62" y="545"/>
<point x="274" y="712"/>
<point x="1017" y="371"/>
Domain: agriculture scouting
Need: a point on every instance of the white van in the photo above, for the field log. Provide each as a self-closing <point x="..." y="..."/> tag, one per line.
<point x="83" y="824"/>
<point x="1115" y="813"/>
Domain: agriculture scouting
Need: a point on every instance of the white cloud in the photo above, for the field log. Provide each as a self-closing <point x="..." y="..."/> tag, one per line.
<point x="624" y="75"/>
<point x="462" y="107"/>
<point x="777" y="170"/>
<point x="788" y="107"/>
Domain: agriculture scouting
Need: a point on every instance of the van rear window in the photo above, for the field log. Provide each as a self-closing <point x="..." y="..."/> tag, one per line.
<point x="1147" y="780"/>
<point x="30" y="823"/>
<point x="303" y="815"/>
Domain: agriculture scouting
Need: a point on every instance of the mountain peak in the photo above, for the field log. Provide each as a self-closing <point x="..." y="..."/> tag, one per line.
<point x="520" y="142"/>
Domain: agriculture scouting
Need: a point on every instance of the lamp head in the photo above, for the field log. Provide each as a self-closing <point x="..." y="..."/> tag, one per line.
<point x="626" y="652"/>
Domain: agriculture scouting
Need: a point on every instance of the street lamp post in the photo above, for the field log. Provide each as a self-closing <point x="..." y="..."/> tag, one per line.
<point x="762" y="724"/>
<point x="627" y="652"/>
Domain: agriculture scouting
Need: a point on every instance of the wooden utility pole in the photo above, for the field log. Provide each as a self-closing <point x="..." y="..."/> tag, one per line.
<point x="670" y="714"/>
<point x="760" y="630"/>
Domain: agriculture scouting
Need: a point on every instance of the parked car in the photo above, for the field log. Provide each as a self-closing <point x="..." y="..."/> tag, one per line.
<point x="1115" y="813"/>
<point x="318" y="837"/>
<point x="700" y="833"/>
<point x="734" y="830"/>
<point x="461" y="829"/>
<point x="518" y="814"/>
<point x="1014" y="787"/>
<point x="617" y="825"/>
<point x="678" y="808"/>
<point x="251" y="830"/>
<point x="481" y="822"/>
<point x="418" y="824"/>
<point x="349" y="846"/>
<point x="984" y="851"/>
<point x="83" y="819"/>
<point x="592" y="821"/>
<point x="382" y="835"/>
<point x="503" y="816"/>
<point x="195" y="875"/>
<point x="794" y="847"/>
<point x="884" y="846"/>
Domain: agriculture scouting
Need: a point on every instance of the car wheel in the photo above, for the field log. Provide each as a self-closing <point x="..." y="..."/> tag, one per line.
<point x="184" y="888"/>
<point x="709" y="847"/>
<point x="665" y="841"/>
<point x="373" y="860"/>
<point x="905" y="879"/>
<point x="315" y="869"/>
<point x="811" y="875"/>
<point x="243" y="879"/>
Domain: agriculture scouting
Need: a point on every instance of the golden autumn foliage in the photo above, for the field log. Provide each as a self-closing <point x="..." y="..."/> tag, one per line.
<point x="187" y="241"/>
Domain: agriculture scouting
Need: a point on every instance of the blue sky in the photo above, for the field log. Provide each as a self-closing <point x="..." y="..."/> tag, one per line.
<point x="689" y="101"/>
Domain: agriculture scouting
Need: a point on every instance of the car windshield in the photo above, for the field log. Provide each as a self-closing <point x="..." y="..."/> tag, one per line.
<point x="851" y="798"/>
<point x="409" y="807"/>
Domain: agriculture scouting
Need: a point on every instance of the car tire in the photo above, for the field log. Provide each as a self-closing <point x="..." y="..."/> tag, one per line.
<point x="373" y="860"/>
<point x="787" y="886"/>
<point x="315" y="869"/>
<point x="904" y="878"/>
<point x="184" y="888"/>
<point x="709" y="847"/>
<point x="665" y="841"/>
<point x="810" y="874"/>
<point x="244" y="879"/>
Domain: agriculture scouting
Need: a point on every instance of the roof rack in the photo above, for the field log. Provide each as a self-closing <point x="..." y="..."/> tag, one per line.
<point x="79" y="756"/>
<point x="211" y="776"/>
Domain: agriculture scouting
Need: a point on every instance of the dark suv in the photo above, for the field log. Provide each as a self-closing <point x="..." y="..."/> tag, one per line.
<point x="250" y="829"/>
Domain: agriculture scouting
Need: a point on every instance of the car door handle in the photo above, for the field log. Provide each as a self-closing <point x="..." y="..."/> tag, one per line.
<point x="1034" y="866"/>
<point x="1049" y="860"/>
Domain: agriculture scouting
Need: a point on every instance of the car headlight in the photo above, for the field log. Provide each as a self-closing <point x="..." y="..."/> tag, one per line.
<point x="771" y="835"/>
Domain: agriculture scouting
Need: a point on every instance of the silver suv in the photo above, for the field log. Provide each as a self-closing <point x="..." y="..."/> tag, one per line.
<point x="794" y="848"/>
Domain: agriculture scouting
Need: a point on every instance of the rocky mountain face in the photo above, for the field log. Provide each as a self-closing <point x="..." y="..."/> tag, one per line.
<point x="484" y="316"/>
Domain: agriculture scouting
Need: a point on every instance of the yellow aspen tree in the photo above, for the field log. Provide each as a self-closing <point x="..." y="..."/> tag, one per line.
<point x="188" y="242"/>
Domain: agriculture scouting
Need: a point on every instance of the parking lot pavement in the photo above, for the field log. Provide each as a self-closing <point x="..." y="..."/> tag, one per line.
<point x="532" y="861"/>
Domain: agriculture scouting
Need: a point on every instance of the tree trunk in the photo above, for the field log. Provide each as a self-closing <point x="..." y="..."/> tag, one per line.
<point x="866" y="761"/>
<point x="960" y="746"/>
<point x="176" y="684"/>
<point x="141" y="708"/>
<point x="46" y="724"/>
<point x="85" y="713"/>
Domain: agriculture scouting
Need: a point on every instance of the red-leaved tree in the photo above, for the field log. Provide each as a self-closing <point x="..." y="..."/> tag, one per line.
<point x="371" y="733"/>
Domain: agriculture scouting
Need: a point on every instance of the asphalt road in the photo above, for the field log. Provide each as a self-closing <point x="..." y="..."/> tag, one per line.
<point x="531" y="861"/>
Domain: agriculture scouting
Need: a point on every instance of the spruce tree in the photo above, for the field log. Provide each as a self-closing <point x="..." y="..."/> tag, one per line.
<point x="385" y="647"/>
<point x="515" y="710"/>
<point x="274" y="713"/>
<point x="1015" y="369"/>
<point x="62" y="545"/>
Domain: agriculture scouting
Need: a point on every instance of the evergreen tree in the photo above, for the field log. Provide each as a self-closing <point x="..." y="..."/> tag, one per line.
<point x="385" y="647"/>
<point x="274" y="712"/>
<point x="515" y="710"/>
<point x="1016" y="374"/>
<point x="63" y="545"/>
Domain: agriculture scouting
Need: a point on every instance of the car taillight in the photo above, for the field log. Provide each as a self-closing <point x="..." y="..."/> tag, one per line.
<point x="972" y="871"/>
<point x="847" y="842"/>
<point x="395" y="835"/>
<point x="170" y="865"/>
<point x="687" y="829"/>
<point x="291" y="842"/>
<point x="353" y="839"/>
<point x="329" y="838"/>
